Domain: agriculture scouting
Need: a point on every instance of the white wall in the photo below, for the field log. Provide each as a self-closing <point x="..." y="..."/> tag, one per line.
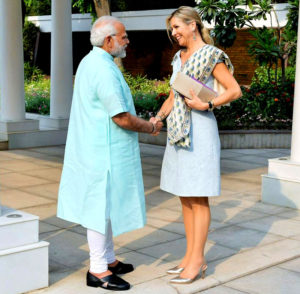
<point x="145" y="20"/>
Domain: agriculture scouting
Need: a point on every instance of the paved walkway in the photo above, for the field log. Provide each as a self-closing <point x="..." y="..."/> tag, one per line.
<point x="252" y="247"/>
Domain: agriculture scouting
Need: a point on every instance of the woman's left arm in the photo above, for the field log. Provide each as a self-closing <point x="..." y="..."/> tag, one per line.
<point x="233" y="90"/>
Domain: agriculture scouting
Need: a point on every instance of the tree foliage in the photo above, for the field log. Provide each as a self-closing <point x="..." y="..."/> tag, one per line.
<point x="290" y="32"/>
<point x="35" y="7"/>
<point x="265" y="48"/>
<point x="85" y="6"/>
<point x="30" y="32"/>
<point x="292" y="23"/>
<point x="230" y="15"/>
<point x="270" y="46"/>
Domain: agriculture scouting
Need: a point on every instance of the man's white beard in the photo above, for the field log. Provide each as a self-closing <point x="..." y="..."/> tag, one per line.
<point x="119" y="51"/>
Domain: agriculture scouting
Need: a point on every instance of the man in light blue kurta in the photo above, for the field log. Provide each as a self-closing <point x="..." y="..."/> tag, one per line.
<point x="102" y="177"/>
<point x="101" y="185"/>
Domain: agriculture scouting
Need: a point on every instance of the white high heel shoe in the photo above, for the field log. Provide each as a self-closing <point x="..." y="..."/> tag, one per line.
<point x="175" y="270"/>
<point x="179" y="280"/>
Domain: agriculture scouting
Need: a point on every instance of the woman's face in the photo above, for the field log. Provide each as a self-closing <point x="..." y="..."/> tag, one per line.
<point x="181" y="31"/>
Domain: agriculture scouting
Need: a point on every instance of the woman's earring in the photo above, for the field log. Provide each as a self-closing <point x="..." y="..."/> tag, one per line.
<point x="194" y="36"/>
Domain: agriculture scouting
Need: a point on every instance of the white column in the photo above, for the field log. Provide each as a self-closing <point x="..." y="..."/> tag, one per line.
<point x="281" y="186"/>
<point x="61" y="59"/>
<point x="11" y="61"/>
<point x="18" y="229"/>
<point x="12" y="114"/>
<point x="295" y="147"/>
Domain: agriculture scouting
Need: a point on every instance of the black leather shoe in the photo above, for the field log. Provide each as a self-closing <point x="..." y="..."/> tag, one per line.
<point x="121" y="268"/>
<point x="111" y="282"/>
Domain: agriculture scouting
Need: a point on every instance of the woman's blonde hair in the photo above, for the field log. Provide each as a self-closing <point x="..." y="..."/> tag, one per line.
<point x="188" y="15"/>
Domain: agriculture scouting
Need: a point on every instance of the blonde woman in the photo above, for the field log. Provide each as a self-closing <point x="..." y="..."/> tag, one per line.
<point x="191" y="164"/>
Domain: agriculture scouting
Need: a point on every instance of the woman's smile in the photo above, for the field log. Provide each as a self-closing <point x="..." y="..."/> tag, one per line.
<point x="178" y="38"/>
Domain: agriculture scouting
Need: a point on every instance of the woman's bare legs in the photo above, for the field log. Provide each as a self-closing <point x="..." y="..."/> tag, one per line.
<point x="201" y="222"/>
<point x="188" y="220"/>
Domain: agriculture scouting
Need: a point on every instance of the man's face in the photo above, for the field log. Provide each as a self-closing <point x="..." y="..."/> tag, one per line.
<point x="120" y="41"/>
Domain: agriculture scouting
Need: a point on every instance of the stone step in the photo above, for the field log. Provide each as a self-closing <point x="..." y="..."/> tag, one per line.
<point x="38" y="138"/>
<point x="24" y="268"/>
<point x="17" y="228"/>
<point x="3" y="145"/>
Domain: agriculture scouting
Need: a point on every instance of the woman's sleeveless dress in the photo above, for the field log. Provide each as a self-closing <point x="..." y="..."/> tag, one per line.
<point x="194" y="171"/>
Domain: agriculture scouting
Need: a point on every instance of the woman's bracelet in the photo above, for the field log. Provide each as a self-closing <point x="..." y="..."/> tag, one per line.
<point x="160" y="117"/>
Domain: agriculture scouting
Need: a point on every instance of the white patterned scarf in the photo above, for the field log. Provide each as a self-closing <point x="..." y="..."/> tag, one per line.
<point x="199" y="66"/>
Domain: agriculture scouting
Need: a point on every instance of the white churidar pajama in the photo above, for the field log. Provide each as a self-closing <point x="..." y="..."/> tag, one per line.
<point x="101" y="249"/>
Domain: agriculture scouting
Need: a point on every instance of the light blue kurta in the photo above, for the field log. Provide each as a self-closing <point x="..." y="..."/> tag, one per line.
<point x="102" y="175"/>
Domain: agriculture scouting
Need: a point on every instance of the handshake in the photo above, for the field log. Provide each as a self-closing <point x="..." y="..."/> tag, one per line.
<point x="157" y="124"/>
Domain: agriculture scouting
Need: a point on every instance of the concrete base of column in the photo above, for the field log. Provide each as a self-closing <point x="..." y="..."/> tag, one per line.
<point x="29" y="133"/>
<point x="48" y="123"/>
<point x="281" y="185"/>
<point x="7" y="127"/>
<point x="37" y="138"/>
<point x="53" y="123"/>
<point x="3" y="146"/>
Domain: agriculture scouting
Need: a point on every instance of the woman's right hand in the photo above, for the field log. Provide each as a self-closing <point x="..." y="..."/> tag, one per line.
<point x="195" y="102"/>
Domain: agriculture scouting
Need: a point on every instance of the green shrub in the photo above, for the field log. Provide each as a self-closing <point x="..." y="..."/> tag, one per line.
<point x="37" y="96"/>
<point x="37" y="104"/>
<point x="43" y="85"/>
<point x="32" y="72"/>
<point x="261" y="74"/>
<point x="140" y="84"/>
<point x="147" y="105"/>
<point x="148" y="95"/>
<point x="262" y="106"/>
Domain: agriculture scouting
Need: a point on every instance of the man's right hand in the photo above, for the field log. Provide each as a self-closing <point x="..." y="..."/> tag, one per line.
<point x="131" y="122"/>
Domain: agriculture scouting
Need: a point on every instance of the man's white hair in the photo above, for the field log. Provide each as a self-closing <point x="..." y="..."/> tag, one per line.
<point x="103" y="27"/>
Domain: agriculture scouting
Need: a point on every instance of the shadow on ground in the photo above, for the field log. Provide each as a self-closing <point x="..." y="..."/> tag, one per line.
<point x="240" y="222"/>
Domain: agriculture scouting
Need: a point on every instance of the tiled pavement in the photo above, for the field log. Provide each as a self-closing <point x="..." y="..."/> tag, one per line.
<point x="252" y="248"/>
